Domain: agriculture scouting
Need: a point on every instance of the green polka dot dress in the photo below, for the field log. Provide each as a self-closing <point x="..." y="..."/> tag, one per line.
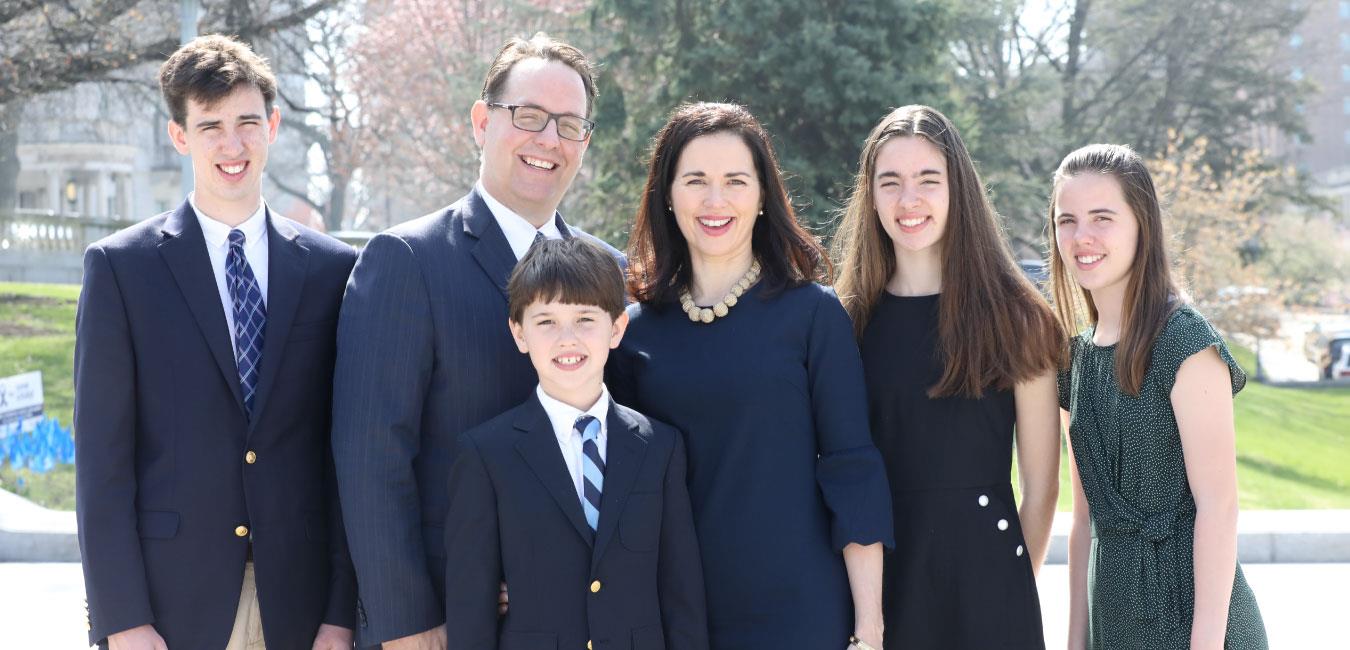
<point x="1141" y="581"/>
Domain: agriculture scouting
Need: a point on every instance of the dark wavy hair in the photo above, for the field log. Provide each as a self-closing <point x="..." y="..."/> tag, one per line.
<point x="207" y="69"/>
<point x="658" y="255"/>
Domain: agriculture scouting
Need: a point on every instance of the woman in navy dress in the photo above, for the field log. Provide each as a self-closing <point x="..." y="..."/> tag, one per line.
<point x="732" y="342"/>
<point x="960" y="350"/>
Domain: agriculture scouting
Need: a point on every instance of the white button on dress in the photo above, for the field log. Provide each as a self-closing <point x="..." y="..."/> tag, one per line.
<point x="984" y="500"/>
<point x="1003" y="524"/>
<point x="1019" y="550"/>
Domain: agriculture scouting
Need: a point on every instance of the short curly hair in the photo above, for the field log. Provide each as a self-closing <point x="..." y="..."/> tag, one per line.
<point x="208" y="69"/>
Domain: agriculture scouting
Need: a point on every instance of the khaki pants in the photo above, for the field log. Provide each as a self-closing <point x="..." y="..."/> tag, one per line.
<point x="247" y="633"/>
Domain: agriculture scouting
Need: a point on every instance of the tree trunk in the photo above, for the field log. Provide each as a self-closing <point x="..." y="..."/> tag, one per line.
<point x="337" y="202"/>
<point x="1069" y="79"/>
<point x="9" y="155"/>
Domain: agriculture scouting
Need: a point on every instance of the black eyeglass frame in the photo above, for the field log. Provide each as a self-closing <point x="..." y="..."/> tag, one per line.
<point x="587" y="125"/>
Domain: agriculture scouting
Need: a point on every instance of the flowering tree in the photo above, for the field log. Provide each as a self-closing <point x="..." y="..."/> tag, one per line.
<point x="415" y="87"/>
<point x="1216" y="222"/>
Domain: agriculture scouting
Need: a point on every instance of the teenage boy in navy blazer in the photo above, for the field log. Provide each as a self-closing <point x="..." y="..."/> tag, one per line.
<point x="577" y="503"/>
<point x="204" y="348"/>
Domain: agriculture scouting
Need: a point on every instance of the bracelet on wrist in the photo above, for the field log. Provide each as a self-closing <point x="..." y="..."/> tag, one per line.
<point x="855" y="642"/>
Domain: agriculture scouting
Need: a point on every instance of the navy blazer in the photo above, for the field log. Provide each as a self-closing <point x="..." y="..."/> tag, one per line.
<point x="172" y="477"/>
<point x="634" y="584"/>
<point x="424" y="354"/>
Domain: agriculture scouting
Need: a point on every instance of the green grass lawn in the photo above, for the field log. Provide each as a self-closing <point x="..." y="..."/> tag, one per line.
<point x="1293" y="446"/>
<point x="37" y="332"/>
<point x="1293" y="443"/>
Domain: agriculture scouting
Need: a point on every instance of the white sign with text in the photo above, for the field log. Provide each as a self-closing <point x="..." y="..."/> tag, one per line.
<point x="20" y="398"/>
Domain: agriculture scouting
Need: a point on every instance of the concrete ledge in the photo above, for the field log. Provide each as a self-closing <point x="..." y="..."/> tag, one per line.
<point x="31" y="533"/>
<point x="1264" y="536"/>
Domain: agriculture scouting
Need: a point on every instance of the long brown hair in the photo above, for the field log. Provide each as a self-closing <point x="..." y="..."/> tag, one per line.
<point x="994" y="328"/>
<point x="1151" y="293"/>
<point x="658" y="255"/>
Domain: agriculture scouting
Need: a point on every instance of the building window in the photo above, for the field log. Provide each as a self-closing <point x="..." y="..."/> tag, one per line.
<point x="1347" y="137"/>
<point x="1345" y="105"/>
<point x="1345" y="42"/>
<point x="1345" y="10"/>
<point x="1296" y="41"/>
<point x="1345" y="72"/>
<point x="1296" y="74"/>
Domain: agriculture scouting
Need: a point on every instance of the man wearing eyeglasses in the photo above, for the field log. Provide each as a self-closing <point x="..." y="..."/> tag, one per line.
<point x="424" y="351"/>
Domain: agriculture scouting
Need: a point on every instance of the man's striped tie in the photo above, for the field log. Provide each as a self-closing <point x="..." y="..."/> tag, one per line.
<point x="592" y="468"/>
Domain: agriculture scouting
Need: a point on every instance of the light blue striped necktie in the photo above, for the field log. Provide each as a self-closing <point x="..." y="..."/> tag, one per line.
<point x="592" y="468"/>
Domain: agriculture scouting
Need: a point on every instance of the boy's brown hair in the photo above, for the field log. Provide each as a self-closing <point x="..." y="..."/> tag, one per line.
<point x="209" y="68"/>
<point x="572" y="271"/>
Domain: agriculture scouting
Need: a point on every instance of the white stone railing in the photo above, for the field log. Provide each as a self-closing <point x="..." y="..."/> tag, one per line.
<point x="40" y="230"/>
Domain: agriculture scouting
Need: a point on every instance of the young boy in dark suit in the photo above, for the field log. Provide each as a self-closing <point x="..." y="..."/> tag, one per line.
<point x="577" y="503"/>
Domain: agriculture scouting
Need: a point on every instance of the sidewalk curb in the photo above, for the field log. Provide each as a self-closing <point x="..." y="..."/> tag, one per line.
<point x="1264" y="537"/>
<point x="31" y="533"/>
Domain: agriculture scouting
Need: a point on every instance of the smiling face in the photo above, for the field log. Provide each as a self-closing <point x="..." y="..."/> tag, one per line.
<point x="910" y="192"/>
<point x="568" y="345"/>
<point x="530" y="172"/>
<point x="228" y="143"/>
<point x="1096" y="232"/>
<point x="716" y="196"/>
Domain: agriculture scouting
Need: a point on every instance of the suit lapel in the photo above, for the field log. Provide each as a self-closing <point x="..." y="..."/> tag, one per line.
<point x="563" y="228"/>
<point x="539" y="447"/>
<point x="623" y="458"/>
<point x="492" y="251"/>
<point x="286" y="264"/>
<point x="184" y="250"/>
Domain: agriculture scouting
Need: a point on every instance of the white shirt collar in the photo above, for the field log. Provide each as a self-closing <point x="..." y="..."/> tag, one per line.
<point x="217" y="234"/>
<point x="563" y="416"/>
<point x="519" y="232"/>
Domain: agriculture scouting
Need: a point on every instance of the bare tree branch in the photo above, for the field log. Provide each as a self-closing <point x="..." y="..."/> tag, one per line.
<point x="293" y="191"/>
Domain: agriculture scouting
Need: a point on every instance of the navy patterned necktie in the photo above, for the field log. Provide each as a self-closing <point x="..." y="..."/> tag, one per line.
<point x="592" y="468"/>
<point x="250" y="316"/>
<point x="538" y="237"/>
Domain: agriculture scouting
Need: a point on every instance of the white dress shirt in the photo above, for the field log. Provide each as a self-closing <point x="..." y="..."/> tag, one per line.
<point x="519" y="232"/>
<point x="563" y="417"/>
<point x="217" y="237"/>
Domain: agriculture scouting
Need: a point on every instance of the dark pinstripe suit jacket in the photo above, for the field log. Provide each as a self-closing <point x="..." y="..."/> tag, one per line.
<point x="424" y="354"/>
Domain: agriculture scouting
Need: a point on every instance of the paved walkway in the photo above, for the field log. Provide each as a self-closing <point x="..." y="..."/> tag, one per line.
<point x="41" y="605"/>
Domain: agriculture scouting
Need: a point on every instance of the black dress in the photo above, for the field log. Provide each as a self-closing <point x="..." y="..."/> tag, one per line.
<point x="960" y="576"/>
<point x="782" y="471"/>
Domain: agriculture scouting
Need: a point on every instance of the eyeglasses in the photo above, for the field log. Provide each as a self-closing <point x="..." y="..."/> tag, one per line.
<point x="535" y="119"/>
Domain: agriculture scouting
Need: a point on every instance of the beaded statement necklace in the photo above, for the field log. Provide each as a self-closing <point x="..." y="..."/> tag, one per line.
<point x="709" y="314"/>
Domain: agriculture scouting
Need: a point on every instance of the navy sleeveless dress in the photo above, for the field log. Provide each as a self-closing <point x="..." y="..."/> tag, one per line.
<point x="960" y="576"/>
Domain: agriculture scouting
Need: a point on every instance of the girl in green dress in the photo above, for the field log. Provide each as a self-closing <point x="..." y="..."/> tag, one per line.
<point x="1148" y="392"/>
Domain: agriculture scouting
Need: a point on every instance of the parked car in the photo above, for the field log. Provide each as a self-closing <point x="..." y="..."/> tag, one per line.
<point x="1328" y="347"/>
<point x="1037" y="271"/>
<point x="1340" y="365"/>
